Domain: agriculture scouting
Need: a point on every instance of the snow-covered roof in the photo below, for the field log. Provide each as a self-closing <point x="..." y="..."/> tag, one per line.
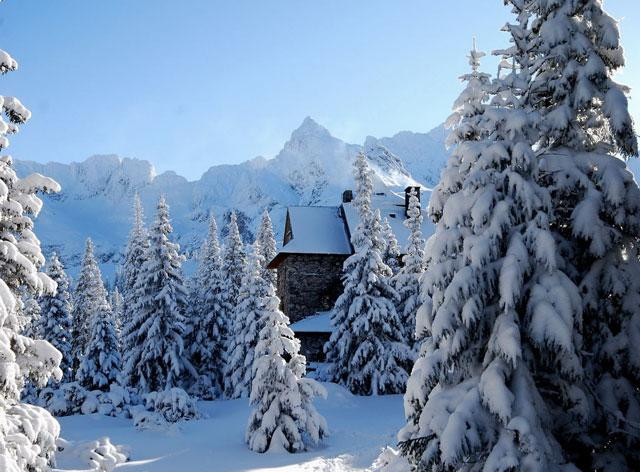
<point x="391" y="206"/>
<point x="317" y="230"/>
<point x="327" y="229"/>
<point x="318" y="323"/>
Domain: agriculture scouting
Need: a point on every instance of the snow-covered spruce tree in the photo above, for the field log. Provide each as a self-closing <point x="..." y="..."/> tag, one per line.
<point x="283" y="415"/>
<point x="100" y="365"/>
<point x="27" y="433"/>
<point x="30" y="313"/>
<point x="117" y="308"/>
<point x="267" y="242"/>
<point x="499" y="320"/>
<point x="367" y="350"/>
<point x="406" y="280"/>
<point x="55" y="320"/>
<point x="154" y="356"/>
<point x="246" y="327"/>
<point x="234" y="261"/>
<point x="391" y="251"/>
<point x="133" y="260"/>
<point x="584" y="133"/>
<point x="88" y="296"/>
<point x="207" y="331"/>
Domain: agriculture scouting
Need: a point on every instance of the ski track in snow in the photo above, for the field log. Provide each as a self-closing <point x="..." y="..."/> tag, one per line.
<point x="360" y="427"/>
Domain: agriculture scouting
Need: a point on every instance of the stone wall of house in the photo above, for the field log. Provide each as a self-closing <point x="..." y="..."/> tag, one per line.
<point x="308" y="283"/>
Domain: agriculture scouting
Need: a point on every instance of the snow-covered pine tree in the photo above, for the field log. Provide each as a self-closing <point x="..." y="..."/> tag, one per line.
<point x="55" y="320"/>
<point x="267" y="242"/>
<point x="391" y="251"/>
<point x="27" y="433"/>
<point x="135" y="254"/>
<point x="499" y="320"/>
<point x="100" y="365"/>
<point x="234" y="261"/>
<point x="283" y="415"/>
<point x="155" y="358"/>
<point x="117" y="308"/>
<point x="367" y="351"/>
<point x="246" y="327"/>
<point x="87" y="296"/>
<point x="406" y="280"/>
<point x="207" y="331"/>
<point x="584" y="133"/>
<point x="30" y="314"/>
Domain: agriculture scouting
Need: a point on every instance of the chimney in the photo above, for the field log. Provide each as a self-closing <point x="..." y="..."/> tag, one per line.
<point x="407" y="195"/>
<point x="347" y="196"/>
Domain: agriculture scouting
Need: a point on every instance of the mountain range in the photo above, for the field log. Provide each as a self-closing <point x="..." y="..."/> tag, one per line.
<point x="313" y="168"/>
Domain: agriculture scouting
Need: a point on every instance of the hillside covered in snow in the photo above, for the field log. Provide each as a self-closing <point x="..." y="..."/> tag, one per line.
<point x="313" y="168"/>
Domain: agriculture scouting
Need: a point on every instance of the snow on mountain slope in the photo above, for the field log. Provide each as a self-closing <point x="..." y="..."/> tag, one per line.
<point x="313" y="168"/>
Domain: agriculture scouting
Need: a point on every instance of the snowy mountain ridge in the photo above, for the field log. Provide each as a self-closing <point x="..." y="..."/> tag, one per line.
<point x="313" y="168"/>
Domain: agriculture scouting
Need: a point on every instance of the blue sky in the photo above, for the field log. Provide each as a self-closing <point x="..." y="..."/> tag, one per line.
<point x="195" y="83"/>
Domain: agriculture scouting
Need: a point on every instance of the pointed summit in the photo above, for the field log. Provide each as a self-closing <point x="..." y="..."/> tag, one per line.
<point x="309" y="128"/>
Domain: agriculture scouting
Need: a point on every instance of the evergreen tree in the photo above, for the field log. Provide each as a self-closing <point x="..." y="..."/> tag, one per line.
<point x="206" y="325"/>
<point x="367" y="351"/>
<point x="155" y="358"/>
<point x="406" y="280"/>
<point x="100" y="365"/>
<point x="117" y="308"/>
<point x="27" y="433"/>
<point x="234" y="261"/>
<point x="88" y="298"/>
<point x="499" y="317"/>
<point x="246" y="327"/>
<point x="391" y="250"/>
<point x="283" y="415"/>
<point x="267" y="243"/>
<point x="133" y="261"/>
<point x="55" y="322"/>
<point x="30" y="314"/>
<point x="584" y="128"/>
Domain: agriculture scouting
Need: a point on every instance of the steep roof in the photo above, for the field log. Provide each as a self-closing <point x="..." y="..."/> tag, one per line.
<point x="317" y="323"/>
<point x="327" y="229"/>
<point x="315" y="230"/>
<point x="391" y="206"/>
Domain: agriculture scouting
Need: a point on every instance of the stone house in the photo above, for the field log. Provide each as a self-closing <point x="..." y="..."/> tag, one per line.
<point x="317" y="240"/>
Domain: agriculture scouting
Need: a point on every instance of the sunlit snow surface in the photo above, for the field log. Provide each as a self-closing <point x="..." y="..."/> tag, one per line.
<point x="360" y="428"/>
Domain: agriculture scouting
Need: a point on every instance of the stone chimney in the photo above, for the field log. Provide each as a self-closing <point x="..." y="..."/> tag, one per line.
<point x="407" y="195"/>
<point x="347" y="196"/>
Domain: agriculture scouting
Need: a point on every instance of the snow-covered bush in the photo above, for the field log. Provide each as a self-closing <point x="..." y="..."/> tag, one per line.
<point x="390" y="460"/>
<point x="71" y="399"/>
<point x="63" y="399"/>
<point x="159" y="410"/>
<point x="28" y="439"/>
<point x="116" y="402"/>
<point x="100" y="455"/>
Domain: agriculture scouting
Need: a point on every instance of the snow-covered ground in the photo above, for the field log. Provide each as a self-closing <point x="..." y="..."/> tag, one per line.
<point x="360" y="428"/>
